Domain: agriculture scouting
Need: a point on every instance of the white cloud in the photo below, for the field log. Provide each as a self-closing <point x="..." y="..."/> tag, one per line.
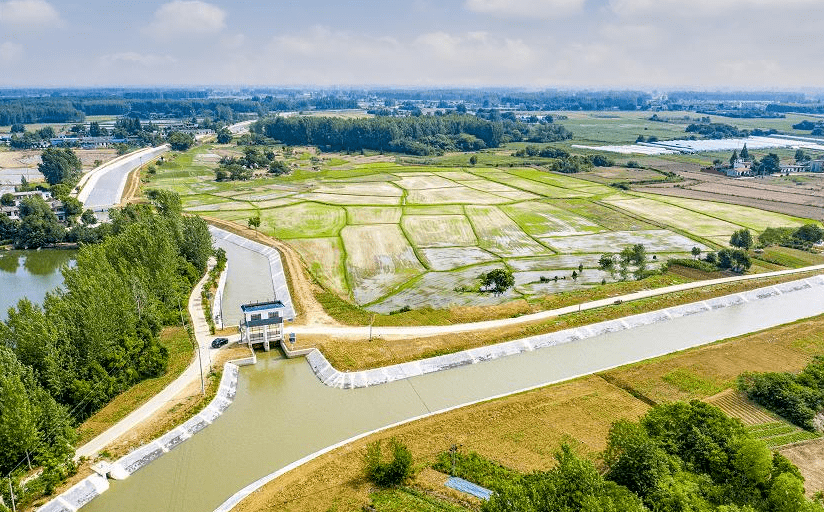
<point x="10" y="52"/>
<point x="325" y="57"/>
<point x="187" y="18"/>
<point x="131" y="58"/>
<point x="703" y="8"/>
<point x="543" y="9"/>
<point x="29" y="12"/>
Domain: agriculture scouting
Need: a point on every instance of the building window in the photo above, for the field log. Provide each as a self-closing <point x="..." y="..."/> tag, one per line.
<point x="256" y="316"/>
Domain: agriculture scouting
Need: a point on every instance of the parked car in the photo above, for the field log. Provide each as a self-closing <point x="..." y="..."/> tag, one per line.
<point x="219" y="342"/>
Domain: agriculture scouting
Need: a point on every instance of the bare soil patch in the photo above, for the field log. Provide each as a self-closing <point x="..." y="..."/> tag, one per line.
<point x="809" y="457"/>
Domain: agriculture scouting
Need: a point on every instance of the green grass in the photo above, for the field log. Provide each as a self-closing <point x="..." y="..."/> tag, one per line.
<point x="801" y="435"/>
<point x="788" y="257"/>
<point x="689" y="382"/>
<point x="303" y="220"/>
<point x="406" y="499"/>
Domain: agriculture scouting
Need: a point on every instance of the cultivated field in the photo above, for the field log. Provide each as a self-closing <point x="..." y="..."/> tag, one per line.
<point x="389" y="236"/>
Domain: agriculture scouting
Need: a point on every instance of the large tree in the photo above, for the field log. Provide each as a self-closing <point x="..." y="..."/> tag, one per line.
<point x="60" y="166"/>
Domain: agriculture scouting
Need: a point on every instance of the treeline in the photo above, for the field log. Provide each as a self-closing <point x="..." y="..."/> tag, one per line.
<point x="416" y="135"/>
<point x="677" y="457"/>
<point x="797" y="398"/>
<point x="98" y="334"/>
<point x="726" y="131"/>
<point x="75" y="109"/>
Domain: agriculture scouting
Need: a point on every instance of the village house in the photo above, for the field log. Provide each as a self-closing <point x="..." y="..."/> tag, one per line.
<point x="13" y="211"/>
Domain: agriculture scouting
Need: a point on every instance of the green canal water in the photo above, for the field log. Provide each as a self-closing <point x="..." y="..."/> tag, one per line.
<point x="30" y="274"/>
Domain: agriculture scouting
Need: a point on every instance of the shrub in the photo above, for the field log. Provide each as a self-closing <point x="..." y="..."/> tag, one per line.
<point x="387" y="474"/>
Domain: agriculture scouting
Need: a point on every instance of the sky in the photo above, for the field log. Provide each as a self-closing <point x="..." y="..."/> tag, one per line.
<point x="567" y="44"/>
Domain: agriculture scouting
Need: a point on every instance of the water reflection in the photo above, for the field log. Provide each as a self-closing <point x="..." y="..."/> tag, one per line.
<point x="30" y="274"/>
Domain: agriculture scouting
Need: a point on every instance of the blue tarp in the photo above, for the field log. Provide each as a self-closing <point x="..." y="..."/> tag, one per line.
<point x="459" y="484"/>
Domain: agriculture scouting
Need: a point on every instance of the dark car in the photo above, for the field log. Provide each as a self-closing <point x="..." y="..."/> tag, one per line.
<point x="219" y="342"/>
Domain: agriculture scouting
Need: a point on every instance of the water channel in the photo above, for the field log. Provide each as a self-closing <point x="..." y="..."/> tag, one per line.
<point x="30" y="274"/>
<point x="282" y="412"/>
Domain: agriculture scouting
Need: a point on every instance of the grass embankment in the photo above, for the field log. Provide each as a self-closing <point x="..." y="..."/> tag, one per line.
<point x="190" y="402"/>
<point x="523" y="431"/>
<point x="357" y="354"/>
<point x="177" y="342"/>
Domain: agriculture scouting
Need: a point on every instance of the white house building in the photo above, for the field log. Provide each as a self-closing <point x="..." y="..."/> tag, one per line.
<point x="262" y="323"/>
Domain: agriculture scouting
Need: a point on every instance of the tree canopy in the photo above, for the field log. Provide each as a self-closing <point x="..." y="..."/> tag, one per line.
<point x="60" y="165"/>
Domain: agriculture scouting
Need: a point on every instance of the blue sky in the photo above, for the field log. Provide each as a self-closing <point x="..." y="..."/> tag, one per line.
<point x="748" y="44"/>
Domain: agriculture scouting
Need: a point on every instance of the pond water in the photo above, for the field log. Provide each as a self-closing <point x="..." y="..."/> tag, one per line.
<point x="30" y="274"/>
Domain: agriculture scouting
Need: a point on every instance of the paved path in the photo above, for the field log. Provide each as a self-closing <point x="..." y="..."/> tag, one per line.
<point x="190" y="374"/>
<point x="435" y="330"/>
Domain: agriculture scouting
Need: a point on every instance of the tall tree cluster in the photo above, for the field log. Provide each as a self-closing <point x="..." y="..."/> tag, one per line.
<point x="419" y="135"/>
<point x="98" y="334"/>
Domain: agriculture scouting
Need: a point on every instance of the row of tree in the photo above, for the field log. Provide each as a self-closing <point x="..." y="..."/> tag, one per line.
<point x="98" y="334"/>
<point x="422" y="135"/>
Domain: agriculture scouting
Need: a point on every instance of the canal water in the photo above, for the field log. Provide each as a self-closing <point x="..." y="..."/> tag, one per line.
<point x="282" y="412"/>
<point x="30" y="274"/>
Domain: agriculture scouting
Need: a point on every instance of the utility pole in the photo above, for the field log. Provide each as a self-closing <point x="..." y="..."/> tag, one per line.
<point x="196" y="347"/>
<point x="11" y="493"/>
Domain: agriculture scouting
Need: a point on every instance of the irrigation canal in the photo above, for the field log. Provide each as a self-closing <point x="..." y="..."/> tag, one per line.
<point x="282" y="412"/>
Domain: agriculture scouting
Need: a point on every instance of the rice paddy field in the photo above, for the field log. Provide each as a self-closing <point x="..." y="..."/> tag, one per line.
<point x="388" y="235"/>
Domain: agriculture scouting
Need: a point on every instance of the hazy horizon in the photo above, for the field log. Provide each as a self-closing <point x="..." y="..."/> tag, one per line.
<point x="747" y="45"/>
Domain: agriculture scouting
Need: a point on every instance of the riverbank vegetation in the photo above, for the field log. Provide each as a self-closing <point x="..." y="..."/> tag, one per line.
<point x="96" y="336"/>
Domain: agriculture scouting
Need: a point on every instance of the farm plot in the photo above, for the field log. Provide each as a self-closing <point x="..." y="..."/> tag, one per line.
<point x="303" y="220"/>
<point x="453" y="195"/>
<point x="344" y="199"/>
<point x="532" y="186"/>
<point x="611" y="218"/>
<point x="560" y="261"/>
<point x="449" y="258"/>
<point x="499" y="189"/>
<point x="423" y="181"/>
<point x="529" y="283"/>
<point x="221" y="206"/>
<point x="681" y="218"/>
<point x="500" y="235"/>
<point x="439" y="231"/>
<point x="562" y="181"/>
<point x="457" y="175"/>
<point x="437" y="290"/>
<point x="753" y="218"/>
<point x="378" y="259"/>
<point x="324" y="258"/>
<point x="542" y="219"/>
<point x="373" y="215"/>
<point x="380" y="188"/>
<point x="654" y="240"/>
<point x="443" y="209"/>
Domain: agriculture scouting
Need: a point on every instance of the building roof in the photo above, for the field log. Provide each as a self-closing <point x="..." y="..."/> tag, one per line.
<point x="262" y="306"/>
